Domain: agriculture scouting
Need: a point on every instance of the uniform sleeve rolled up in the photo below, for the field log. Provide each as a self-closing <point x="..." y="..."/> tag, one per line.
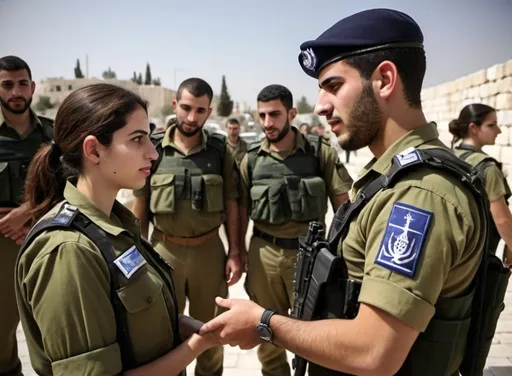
<point x="419" y="246"/>
<point x="335" y="174"/>
<point x="68" y="291"/>
<point x="494" y="185"/>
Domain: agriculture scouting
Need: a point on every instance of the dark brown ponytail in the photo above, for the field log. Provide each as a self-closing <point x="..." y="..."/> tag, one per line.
<point x="45" y="182"/>
<point x="457" y="130"/>
<point x="97" y="110"/>
<point x="475" y="113"/>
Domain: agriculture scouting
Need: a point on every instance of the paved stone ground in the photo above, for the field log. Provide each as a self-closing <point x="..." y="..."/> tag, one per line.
<point x="238" y="362"/>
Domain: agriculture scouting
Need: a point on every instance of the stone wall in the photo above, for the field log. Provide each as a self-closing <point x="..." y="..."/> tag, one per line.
<point x="492" y="86"/>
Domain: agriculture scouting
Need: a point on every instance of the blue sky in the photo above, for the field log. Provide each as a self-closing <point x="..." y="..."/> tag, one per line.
<point x="254" y="43"/>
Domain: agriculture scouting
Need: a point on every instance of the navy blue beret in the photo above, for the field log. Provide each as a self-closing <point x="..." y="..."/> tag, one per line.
<point x="360" y="33"/>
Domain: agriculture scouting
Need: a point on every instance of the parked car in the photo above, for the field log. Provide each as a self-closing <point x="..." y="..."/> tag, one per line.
<point x="249" y="136"/>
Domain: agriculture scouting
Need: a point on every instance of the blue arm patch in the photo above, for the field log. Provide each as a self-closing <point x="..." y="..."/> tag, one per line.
<point x="404" y="238"/>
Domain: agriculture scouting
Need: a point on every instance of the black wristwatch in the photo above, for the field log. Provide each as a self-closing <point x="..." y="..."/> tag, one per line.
<point x="266" y="334"/>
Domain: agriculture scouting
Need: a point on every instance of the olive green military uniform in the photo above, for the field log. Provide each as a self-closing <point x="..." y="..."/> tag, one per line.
<point x="270" y="273"/>
<point x="199" y="268"/>
<point x="10" y="196"/>
<point x="238" y="150"/>
<point x="416" y="245"/>
<point x="496" y="185"/>
<point x="63" y="292"/>
<point x="493" y="178"/>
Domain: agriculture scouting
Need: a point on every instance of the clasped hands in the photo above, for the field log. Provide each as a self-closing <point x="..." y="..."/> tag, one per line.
<point x="235" y="327"/>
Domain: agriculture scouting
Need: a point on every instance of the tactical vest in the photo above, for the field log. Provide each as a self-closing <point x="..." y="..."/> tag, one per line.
<point x="459" y="336"/>
<point x="70" y="218"/>
<point x="291" y="189"/>
<point x="15" y="157"/>
<point x="197" y="177"/>
<point x="480" y="167"/>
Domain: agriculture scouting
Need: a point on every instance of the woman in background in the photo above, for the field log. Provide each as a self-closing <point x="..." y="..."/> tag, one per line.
<point x="477" y="127"/>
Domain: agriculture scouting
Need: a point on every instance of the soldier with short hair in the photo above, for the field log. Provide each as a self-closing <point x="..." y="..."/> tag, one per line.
<point x="192" y="190"/>
<point x="287" y="180"/>
<point x="21" y="134"/>
<point x="236" y="144"/>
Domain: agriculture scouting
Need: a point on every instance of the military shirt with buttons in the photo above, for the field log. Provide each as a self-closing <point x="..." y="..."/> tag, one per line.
<point x="335" y="175"/>
<point x="493" y="176"/>
<point x="7" y="131"/>
<point x="449" y="256"/>
<point x="63" y="293"/>
<point x="238" y="150"/>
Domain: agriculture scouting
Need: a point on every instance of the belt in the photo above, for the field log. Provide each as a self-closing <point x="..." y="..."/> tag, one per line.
<point x="198" y="240"/>
<point x="285" y="243"/>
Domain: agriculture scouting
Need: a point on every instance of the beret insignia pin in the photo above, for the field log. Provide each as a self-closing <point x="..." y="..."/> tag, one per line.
<point x="309" y="59"/>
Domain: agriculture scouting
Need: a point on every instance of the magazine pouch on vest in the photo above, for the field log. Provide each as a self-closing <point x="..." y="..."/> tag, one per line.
<point x="287" y="190"/>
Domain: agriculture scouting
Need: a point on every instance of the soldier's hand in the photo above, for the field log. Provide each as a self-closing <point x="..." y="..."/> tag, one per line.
<point x="236" y="327"/>
<point x="244" y="258"/>
<point x="188" y="326"/>
<point x="233" y="270"/>
<point x="20" y="235"/>
<point x="12" y="222"/>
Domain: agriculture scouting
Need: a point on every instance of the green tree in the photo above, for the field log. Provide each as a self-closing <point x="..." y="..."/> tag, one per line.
<point x="225" y="106"/>
<point x="167" y="110"/>
<point x="78" y="70"/>
<point x="157" y="82"/>
<point x="303" y="107"/>
<point x="139" y="79"/>
<point x="134" y="78"/>
<point x="109" y="73"/>
<point x="148" y="80"/>
<point x="43" y="104"/>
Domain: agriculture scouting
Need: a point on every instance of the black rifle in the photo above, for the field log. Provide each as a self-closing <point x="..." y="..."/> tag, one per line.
<point x="320" y="273"/>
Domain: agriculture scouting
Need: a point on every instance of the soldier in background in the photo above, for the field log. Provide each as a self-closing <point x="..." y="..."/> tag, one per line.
<point x="236" y="144"/>
<point x="192" y="190"/>
<point x="286" y="180"/>
<point x="21" y="134"/>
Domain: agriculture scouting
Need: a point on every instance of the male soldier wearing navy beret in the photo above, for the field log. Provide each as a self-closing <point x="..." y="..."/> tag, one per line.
<point x="414" y="246"/>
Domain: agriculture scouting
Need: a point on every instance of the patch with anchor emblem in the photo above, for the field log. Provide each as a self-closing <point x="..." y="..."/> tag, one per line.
<point x="403" y="240"/>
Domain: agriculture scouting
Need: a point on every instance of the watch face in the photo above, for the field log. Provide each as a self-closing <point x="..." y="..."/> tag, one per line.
<point x="265" y="333"/>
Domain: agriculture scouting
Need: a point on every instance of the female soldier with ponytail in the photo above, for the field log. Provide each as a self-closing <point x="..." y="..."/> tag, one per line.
<point x="94" y="298"/>
<point x="476" y="127"/>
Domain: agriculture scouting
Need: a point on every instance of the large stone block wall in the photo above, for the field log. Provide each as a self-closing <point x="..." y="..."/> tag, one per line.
<point x="492" y="86"/>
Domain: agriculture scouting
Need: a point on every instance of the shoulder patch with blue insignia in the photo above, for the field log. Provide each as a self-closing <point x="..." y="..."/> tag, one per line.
<point x="407" y="156"/>
<point x="130" y="261"/>
<point x="404" y="238"/>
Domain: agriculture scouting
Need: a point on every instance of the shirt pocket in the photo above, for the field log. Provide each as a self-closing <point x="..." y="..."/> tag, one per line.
<point x="214" y="192"/>
<point x="148" y="319"/>
<point x="162" y="199"/>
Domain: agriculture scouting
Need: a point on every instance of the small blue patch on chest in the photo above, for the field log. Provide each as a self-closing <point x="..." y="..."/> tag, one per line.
<point x="404" y="238"/>
<point x="130" y="261"/>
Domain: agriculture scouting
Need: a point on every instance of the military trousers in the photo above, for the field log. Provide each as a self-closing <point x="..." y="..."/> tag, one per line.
<point x="9" y="318"/>
<point x="269" y="282"/>
<point x="199" y="276"/>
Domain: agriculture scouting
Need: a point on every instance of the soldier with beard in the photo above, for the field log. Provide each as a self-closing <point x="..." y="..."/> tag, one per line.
<point x="286" y="182"/>
<point x="21" y="134"/>
<point x="191" y="191"/>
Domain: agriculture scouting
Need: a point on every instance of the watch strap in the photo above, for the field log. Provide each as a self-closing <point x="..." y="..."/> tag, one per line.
<point x="265" y="317"/>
